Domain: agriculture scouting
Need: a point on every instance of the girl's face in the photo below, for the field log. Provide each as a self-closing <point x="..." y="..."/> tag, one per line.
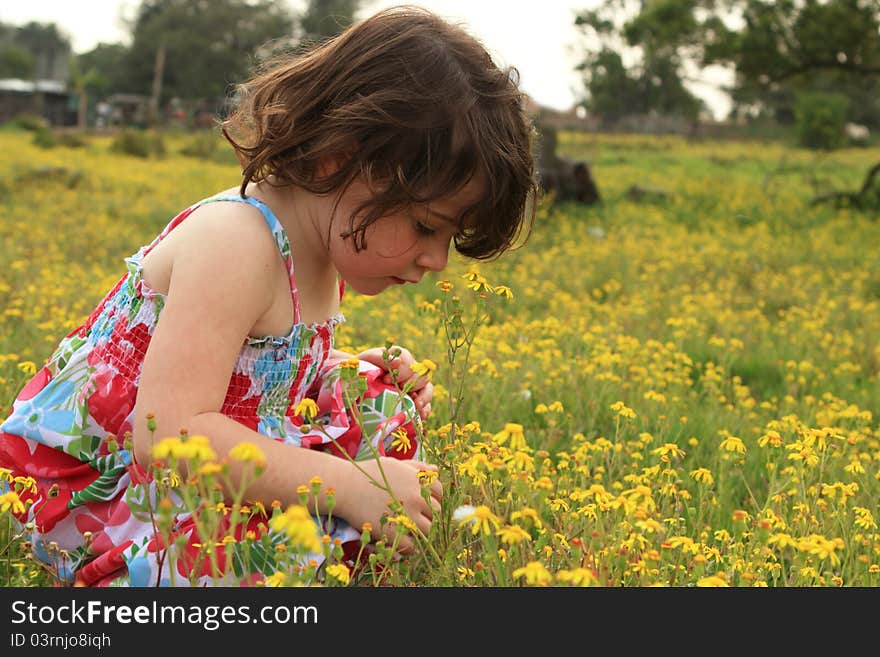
<point x="400" y="247"/>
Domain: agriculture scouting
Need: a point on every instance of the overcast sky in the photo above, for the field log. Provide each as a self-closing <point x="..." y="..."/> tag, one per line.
<point x="537" y="37"/>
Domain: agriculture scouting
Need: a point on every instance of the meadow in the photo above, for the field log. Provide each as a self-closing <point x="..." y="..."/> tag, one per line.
<point x="673" y="388"/>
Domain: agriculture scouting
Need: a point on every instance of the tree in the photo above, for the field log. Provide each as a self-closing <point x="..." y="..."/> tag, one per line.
<point x="777" y="49"/>
<point x="49" y="48"/>
<point x="326" y="18"/>
<point x="792" y="46"/>
<point x="206" y="45"/>
<point x="16" y="62"/>
<point x="103" y="68"/>
<point x="655" y="82"/>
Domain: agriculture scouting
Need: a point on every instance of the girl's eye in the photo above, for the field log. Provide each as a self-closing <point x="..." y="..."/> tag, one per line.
<point x="424" y="229"/>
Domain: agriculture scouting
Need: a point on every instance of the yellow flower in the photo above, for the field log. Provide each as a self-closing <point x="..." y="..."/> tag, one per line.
<point x="307" y="409"/>
<point x="166" y="447"/>
<point x="514" y="433"/>
<point x="535" y="574"/>
<point x="205" y="470"/>
<point x="702" y="475"/>
<point x="822" y="547"/>
<point x="622" y="410"/>
<point x="427" y="477"/>
<point x="483" y="519"/>
<point x="771" y="438"/>
<point x="477" y="283"/>
<point x="275" y="579"/>
<point x="27" y="367"/>
<point x="405" y="521"/>
<point x="684" y="542"/>
<point x="669" y="450"/>
<point x="864" y="519"/>
<point x="339" y="572"/>
<point x="401" y="442"/>
<point x="425" y="368"/>
<point x="195" y="448"/>
<point x="528" y="513"/>
<point x="11" y="500"/>
<point x="198" y="448"/>
<point x="713" y="580"/>
<point x="248" y="453"/>
<point x="299" y="527"/>
<point x="782" y="541"/>
<point x="503" y="291"/>
<point x="513" y="534"/>
<point x="733" y="444"/>
<point x="577" y="577"/>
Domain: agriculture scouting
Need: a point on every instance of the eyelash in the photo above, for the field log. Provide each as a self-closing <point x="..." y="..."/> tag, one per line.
<point x="424" y="229"/>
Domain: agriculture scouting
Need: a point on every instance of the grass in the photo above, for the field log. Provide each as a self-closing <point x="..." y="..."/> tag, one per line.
<point x="711" y="360"/>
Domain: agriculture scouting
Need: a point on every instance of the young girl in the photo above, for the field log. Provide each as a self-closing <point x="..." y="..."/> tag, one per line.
<point x="363" y="160"/>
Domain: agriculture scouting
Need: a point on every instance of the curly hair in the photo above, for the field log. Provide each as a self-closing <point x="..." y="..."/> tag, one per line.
<point x="409" y="103"/>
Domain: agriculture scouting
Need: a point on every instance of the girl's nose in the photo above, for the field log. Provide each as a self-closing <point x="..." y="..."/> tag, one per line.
<point x="435" y="256"/>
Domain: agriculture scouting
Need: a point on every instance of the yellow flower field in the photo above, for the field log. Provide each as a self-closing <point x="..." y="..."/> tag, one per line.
<point x="679" y="389"/>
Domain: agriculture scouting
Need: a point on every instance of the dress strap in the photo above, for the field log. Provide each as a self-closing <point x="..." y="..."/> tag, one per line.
<point x="277" y="230"/>
<point x="278" y="234"/>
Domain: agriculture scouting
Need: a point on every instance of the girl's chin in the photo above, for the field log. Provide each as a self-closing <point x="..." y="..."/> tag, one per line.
<point x="370" y="288"/>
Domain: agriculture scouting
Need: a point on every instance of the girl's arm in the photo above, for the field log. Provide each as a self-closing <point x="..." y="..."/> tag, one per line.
<point x="209" y="310"/>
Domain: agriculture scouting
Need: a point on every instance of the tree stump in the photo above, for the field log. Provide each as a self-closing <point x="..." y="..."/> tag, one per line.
<point x="566" y="178"/>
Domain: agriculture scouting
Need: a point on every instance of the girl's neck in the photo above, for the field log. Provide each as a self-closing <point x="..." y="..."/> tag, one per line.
<point x="303" y="216"/>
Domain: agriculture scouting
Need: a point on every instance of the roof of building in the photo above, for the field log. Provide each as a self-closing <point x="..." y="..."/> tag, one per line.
<point x="30" y="86"/>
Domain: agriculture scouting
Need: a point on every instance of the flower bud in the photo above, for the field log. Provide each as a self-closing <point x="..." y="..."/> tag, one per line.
<point x="330" y="497"/>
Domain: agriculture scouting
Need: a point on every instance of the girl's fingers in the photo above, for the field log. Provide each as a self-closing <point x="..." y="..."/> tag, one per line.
<point x="405" y="546"/>
<point x="424" y="524"/>
<point x="425" y="393"/>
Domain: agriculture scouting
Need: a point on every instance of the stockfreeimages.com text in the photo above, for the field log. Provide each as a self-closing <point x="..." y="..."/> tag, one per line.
<point x="211" y="617"/>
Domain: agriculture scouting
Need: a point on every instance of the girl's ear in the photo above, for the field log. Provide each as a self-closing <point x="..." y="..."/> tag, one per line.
<point x="330" y="164"/>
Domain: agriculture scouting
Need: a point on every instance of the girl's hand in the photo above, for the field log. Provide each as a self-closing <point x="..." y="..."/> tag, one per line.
<point x="366" y="501"/>
<point x="401" y="361"/>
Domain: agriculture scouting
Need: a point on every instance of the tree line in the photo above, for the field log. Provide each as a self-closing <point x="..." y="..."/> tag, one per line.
<point x="786" y="56"/>
<point x="190" y="50"/>
<point x="789" y="58"/>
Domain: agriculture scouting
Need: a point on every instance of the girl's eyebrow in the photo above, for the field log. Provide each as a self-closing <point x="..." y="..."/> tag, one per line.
<point x="442" y="216"/>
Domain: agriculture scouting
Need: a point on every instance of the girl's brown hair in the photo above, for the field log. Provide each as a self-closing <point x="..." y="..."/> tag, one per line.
<point x="414" y="106"/>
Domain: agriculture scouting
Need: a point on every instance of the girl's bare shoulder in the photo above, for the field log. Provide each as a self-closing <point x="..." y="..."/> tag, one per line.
<point x="221" y="235"/>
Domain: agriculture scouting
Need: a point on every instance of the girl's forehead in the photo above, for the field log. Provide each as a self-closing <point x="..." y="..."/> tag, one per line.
<point x="452" y="206"/>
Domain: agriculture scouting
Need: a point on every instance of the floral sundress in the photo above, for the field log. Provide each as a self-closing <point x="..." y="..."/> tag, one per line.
<point x="57" y="431"/>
